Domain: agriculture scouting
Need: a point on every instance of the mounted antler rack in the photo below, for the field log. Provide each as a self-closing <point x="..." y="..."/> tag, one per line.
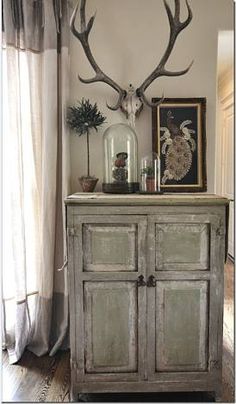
<point x="131" y="101"/>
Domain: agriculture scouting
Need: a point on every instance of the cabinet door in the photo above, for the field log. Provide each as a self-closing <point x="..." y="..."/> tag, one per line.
<point x="186" y="259"/>
<point x="111" y="327"/>
<point x="109" y="257"/>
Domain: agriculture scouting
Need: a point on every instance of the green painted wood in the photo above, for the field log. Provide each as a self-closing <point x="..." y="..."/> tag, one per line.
<point x="135" y="209"/>
<point x="181" y="325"/>
<point x="111" y="318"/>
<point x="192" y="369"/>
<point x="182" y="246"/>
<point x="110" y="247"/>
<point x="216" y="296"/>
<point x="79" y="251"/>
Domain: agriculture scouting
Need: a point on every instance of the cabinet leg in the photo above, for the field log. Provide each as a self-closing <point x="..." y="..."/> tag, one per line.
<point x="84" y="398"/>
<point x="218" y="396"/>
<point x="73" y="395"/>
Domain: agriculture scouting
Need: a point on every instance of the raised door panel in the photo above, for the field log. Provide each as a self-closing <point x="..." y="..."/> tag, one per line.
<point x="181" y="327"/>
<point x="110" y="243"/>
<point x="182" y="246"/>
<point x="111" y="327"/>
<point x="110" y="247"/>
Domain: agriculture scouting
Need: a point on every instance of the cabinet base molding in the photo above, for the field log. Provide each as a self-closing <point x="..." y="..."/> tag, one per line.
<point x="145" y="387"/>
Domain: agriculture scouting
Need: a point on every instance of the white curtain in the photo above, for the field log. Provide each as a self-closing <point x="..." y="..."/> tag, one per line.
<point x="35" y="175"/>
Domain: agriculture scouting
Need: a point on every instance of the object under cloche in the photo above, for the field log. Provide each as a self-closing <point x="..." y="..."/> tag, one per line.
<point x="120" y="160"/>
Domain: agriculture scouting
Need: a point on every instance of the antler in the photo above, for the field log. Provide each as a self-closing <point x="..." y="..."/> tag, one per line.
<point x="132" y="103"/>
<point x="83" y="38"/>
<point x="176" y="26"/>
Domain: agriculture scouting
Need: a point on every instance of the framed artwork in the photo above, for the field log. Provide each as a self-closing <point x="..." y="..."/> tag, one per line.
<point x="179" y="138"/>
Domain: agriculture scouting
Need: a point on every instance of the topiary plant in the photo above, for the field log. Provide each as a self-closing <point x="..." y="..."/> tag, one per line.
<point x="82" y="118"/>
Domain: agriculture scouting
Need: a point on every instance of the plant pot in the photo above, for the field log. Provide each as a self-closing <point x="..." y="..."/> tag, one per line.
<point x="151" y="184"/>
<point x="88" y="184"/>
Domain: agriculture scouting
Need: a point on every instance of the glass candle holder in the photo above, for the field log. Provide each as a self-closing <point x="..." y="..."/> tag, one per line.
<point x="150" y="174"/>
<point x="120" y="159"/>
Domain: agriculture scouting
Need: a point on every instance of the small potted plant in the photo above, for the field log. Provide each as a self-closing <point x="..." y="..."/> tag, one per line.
<point x="82" y="118"/>
<point x="150" y="181"/>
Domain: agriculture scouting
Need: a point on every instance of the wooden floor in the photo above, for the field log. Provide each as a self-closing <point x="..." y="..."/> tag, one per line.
<point x="47" y="379"/>
<point x="44" y="379"/>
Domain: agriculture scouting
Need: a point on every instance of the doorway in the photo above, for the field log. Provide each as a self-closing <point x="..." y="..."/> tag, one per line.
<point x="224" y="182"/>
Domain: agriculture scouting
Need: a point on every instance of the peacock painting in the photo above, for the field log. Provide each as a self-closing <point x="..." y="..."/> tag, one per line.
<point x="178" y="146"/>
<point x="179" y="138"/>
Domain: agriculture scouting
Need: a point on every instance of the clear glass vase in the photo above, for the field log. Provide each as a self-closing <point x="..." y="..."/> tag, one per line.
<point x="120" y="159"/>
<point x="150" y="174"/>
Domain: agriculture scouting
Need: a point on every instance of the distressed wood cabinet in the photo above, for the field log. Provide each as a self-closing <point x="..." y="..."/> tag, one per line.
<point x="146" y="292"/>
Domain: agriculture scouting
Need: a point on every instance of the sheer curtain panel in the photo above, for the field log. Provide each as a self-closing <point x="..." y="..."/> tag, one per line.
<point x="35" y="175"/>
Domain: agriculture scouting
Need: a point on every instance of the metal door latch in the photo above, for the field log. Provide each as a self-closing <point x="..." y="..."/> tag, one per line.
<point x="141" y="281"/>
<point x="151" y="281"/>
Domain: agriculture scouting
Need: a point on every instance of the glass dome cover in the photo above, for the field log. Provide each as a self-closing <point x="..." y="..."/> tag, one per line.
<point x="120" y="159"/>
<point x="150" y="171"/>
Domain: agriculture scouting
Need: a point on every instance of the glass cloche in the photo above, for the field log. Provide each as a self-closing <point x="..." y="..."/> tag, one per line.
<point x="150" y="174"/>
<point x="120" y="159"/>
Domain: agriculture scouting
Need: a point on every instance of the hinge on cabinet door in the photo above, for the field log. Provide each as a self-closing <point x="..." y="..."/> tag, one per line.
<point x="145" y="374"/>
<point x="220" y="231"/>
<point x="215" y="364"/>
<point x="71" y="231"/>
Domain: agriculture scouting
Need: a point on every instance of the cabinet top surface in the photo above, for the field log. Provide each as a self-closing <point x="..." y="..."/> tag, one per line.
<point x="137" y="199"/>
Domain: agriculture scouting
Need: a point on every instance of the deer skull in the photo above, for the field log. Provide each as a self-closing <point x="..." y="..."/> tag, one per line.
<point x="131" y="105"/>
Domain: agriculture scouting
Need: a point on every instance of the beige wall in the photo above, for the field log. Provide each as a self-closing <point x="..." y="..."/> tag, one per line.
<point x="128" y="39"/>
